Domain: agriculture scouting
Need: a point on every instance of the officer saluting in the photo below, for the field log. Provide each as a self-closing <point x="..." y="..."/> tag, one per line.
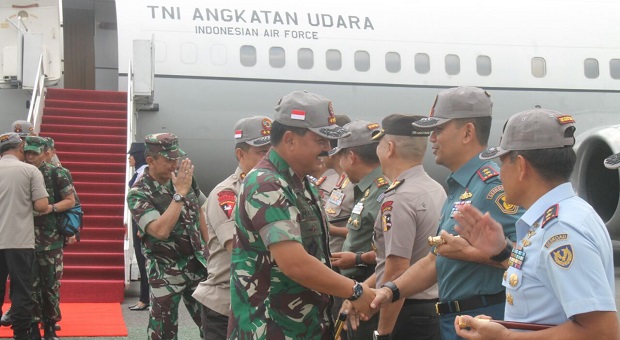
<point x="561" y="271"/>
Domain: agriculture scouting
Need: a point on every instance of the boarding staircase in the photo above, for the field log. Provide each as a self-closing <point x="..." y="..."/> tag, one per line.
<point x="90" y="133"/>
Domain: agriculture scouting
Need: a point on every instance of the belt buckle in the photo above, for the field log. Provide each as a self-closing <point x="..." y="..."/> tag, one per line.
<point x="458" y="307"/>
<point x="437" y="308"/>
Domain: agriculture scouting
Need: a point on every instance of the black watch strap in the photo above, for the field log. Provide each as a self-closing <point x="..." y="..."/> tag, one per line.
<point x="504" y="254"/>
<point x="358" y="259"/>
<point x="395" y="292"/>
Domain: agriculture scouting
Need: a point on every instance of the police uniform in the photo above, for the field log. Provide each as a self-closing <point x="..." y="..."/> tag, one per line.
<point x="338" y="205"/>
<point x="176" y="265"/>
<point x="562" y="265"/>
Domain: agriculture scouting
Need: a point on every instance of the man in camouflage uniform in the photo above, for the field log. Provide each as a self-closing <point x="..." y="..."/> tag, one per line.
<point x="48" y="242"/>
<point x="358" y="159"/>
<point x="252" y="143"/>
<point x="281" y="278"/>
<point x="166" y="204"/>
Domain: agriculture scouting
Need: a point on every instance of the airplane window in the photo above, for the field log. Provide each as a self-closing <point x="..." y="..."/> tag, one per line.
<point x="539" y="67"/>
<point x="247" y="54"/>
<point x="614" y="68"/>
<point x="590" y="68"/>
<point x="188" y="53"/>
<point x="218" y="54"/>
<point x="276" y="57"/>
<point x="392" y="62"/>
<point x="453" y="64"/>
<point x="422" y="63"/>
<point x="483" y="65"/>
<point x="333" y="59"/>
<point x="362" y="61"/>
<point x="305" y="58"/>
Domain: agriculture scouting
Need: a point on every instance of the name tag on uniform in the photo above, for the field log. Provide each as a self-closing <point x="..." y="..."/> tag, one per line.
<point x="336" y="197"/>
<point x="357" y="209"/>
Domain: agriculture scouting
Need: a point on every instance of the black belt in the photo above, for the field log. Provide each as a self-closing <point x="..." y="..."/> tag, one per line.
<point x="420" y="301"/>
<point x="473" y="302"/>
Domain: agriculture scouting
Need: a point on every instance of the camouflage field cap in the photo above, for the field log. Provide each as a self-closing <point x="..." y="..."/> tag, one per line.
<point x="9" y="138"/>
<point x="50" y="143"/>
<point x="166" y="144"/>
<point x="308" y="110"/>
<point x="612" y="162"/>
<point x="457" y="102"/>
<point x="361" y="134"/>
<point x="23" y="128"/>
<point x="255" y="131"/>
<point x="35" y="144"/>
<point x="534" y="130"/>
<point x="400" y="125"/>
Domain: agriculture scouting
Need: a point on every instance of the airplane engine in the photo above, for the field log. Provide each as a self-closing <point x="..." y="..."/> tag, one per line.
<point x="593" y="182"/>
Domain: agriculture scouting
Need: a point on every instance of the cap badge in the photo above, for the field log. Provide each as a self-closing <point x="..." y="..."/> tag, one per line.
<point x="331" y="120"/>
<point x="18" y="128"/>
<point x="298" y="114"/>
<point x="238" y="133"/>
<point x="373" y="126"/>
<point x="565" y="119"/>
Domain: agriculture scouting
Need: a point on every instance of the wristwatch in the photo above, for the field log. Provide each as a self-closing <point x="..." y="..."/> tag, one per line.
<point x="177" y="197"/>
<point x="504" y="254"/>
<point x="358" y="259"/>
<point x="395" y="291"/>
<point x="358" y="290"/>
<point x="376" y="336"/>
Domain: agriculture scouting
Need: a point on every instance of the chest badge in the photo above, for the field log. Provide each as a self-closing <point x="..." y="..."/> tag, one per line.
<point x="466" y="195"/>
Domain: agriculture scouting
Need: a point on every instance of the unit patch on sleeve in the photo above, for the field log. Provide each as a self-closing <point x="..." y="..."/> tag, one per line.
<point x="550" y="214"/>
<point x="553" y="239"/>
<point x="386" y="215"/>
<point x="504" y="206"/>
<point x="563" y="256"/>
<point x="226" y="199"/>
<point x="494" y="191"/>
<point x="487" y="172"/>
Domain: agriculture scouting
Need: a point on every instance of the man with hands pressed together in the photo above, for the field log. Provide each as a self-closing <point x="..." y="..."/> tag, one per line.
<point x="561" y="270"/>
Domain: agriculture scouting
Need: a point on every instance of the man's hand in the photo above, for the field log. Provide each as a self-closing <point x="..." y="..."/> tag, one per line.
<point x="456" y="248"/>
<point x="343" y="260"/>
<point x="362" y="304"/>
<point x="71" y="240"/>
<point x="479" y="328"/>
<point x="383" y="296"/>
<point x="183" y="182"/>
<point x="480" y="230"/>
<point x="353" y="316"/>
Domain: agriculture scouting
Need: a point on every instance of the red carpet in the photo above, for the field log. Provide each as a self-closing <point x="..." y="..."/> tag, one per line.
<point x="86" y="319"/>
<point x="89" y="128"/>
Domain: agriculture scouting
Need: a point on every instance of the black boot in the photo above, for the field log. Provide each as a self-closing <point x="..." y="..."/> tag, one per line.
<point x="35" y="334"/>
<point x="21" y="334"/>
<point x="49" y="331"/>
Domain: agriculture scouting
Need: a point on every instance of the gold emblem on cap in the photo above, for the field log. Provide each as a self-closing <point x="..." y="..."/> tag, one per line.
<point x="514" y="280"/>
<point x="509" y="299"/>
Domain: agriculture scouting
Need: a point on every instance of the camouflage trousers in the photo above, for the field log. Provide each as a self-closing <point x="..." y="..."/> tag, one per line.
<point x="168" y="285"/>
<point x="46" y="275"/>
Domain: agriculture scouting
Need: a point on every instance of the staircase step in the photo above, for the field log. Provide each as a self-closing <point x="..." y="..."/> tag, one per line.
<point x="87" y="95"/>
<point x="104" y="188"/>
<point x="84" y="138"/>
<point x="92" y="290"/>
<point x="101" y="177"/>
<point x="103" y="233"/>
<point x="95" y="167"/>
<point x="71" y="146"/>
<point x="103" y="221"/>
<point x="65" y="112"/>
<point x="94" y="272"/>
<point x="85" y="121"/>
<point x="90" y="156"/>
<point x="72" y="104"/>
<point x="103" y="209"/>
<point x="83" y="129"/>
<point x="97" y="198"/>
<point x="99" y="246"/>
<point x="98" y="259"/>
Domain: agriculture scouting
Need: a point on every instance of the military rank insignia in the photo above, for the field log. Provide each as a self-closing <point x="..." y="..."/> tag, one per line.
<point x="550" y="214"/>
<point x="380" y="182"/>
<point x="386" y="215"/>
<point x="455" y="207"/>
<point x="563" y="256"/>
<point x="516" y="257"/>
<point x="320" y="181"/>
<point x="226" y="199"/>
<point x="394" y="185"/>
<point x="487" y="172"/>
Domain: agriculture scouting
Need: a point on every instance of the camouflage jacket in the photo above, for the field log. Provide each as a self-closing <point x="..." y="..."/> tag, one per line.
<point x="147" y="201"/>
<point x="276" y="205"/>
<point x="45" y="226"/>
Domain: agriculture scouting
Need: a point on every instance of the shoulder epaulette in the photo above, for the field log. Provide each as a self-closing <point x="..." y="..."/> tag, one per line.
<point x="487" y="172"/>
<point x="394" y="185"/>
<point x="550" y="214"/>
<point x="343" y="176"/>
<point x="381" y="181"/>
<point x="320" y="180"/>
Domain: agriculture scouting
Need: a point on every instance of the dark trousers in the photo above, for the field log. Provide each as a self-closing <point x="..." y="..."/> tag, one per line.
<point x="19" y="264"/>
<point x="4" y="273"/>
<point x="214" y="324"/>
<point x="144" y="279"/>
<point x="417" y="320"/>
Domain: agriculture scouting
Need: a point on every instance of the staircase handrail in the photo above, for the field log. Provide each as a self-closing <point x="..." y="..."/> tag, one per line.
<point x="131" y="136"/>
<point x="37" y="100"/>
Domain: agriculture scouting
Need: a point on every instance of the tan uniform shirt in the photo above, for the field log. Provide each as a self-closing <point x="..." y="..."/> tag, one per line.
<point x="214" y="292"/>
<point x="20" y="185"/>
<point x="409" y="215"/>
<point x="338" y="206"/>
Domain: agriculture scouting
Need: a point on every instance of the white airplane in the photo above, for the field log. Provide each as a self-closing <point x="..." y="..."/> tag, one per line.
<point x="218" y="61"/>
